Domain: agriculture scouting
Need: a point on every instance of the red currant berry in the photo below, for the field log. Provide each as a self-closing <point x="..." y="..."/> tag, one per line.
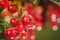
<point x="6" y="5"/>
<point x="30" y="6"/>
<point x="39" y="26"/>
<point x="26" y="19"/>
<point x="23" y="34"/>
<point x="37" y="17"/>
<point x="12" y="8"/>
<point x="14" y="22"/>
<point x="54" y="26"/>
<point x="39" y="9"/>
<point x="30" y="9"/>
<point x="20" y="28"/>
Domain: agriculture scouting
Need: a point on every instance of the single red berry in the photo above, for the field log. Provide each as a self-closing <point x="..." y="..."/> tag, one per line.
<point x="54" y="26"/>
<point x="23" y="34"/>
<point x="39" y="9"/>
<point x="12" y="8"/>
<point x="39" y="26"/>
<point x="26" y="19"/>
<point x="6" y="5"/>
<point x="14" y="22"/>
<point x="30" y="6"/>
<point x="20" y="28"/>
<point x="30" y="9"/>
<point x="37" y="17"/>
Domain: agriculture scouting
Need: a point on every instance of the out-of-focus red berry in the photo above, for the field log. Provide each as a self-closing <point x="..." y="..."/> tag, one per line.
<point x="14" y="22"/>
<point x="39" y="26"/>
<point x="54" y="26"/>
<point x="37" y="17"/>
<point x="39" y="9"/>
<point x="12" y="8"/>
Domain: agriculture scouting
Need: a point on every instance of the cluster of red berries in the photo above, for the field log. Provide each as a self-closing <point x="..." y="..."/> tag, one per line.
<point x="54" y="17"/>
<point x="7" y="5"/>
<point x="22" y="29"/>
<point x="30" y="19"/>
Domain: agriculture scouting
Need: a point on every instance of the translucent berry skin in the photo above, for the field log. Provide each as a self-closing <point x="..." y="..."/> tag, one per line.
<point x="14" y="22"/>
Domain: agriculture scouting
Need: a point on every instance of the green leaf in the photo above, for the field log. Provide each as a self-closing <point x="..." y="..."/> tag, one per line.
<point x="1" y="28"/>
<point x="4" y="24"/>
